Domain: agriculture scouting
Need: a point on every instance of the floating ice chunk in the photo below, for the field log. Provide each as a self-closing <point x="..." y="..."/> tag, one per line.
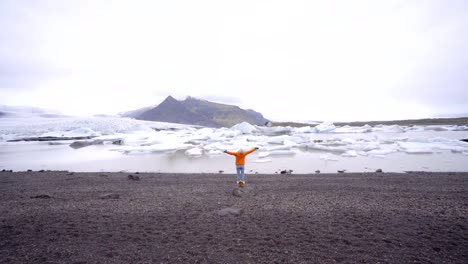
<point x="194" y="152"/>
<point x="205" y="131"/>
<point x="433" y="145"/>
<point x="263" y="154"/>
<point x="289" y="143"/>
<point x="461" y="128"/>
<point x="362" y="153"/>
<point x="392" y="140"/>
<point x="244" y="128"/>
<point x="325" y="127"/>
<point x="299" y="139"/>
<point x="137" y="128"/>
<point x="440" y="128"/>
<point x="349" y="129"/>
<point x="203" y="134"/>
<point x="111" y="137"/>
<point x="328" y="157"/>
<point x="349" y="141"/>
<point x="364" y="145"/>
<point x="277" y="139"/>
<point x="306" y="129"/>
<point x="350" y="153"/>
<point x="414" y="129"/>
<point x="384" y="150"/>
<point x="418" y="147"/>
<point x="262" y="160"/>
<point x="230" y="133"/>
<point x="138" y="139"/>
<point x="389" y="129"/>
<point x="275" y="131"/>
<point x="314" y="146"/>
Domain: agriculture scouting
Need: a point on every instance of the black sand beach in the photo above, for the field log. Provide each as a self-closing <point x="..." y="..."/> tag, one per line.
<point x="60" y="217"/>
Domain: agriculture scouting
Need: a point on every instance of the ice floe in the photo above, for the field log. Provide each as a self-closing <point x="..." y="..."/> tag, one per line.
<point x="325" y="127"/>
<point x="140" y="137"/>
<point x="194" y="152"/>
<point x="350" y="129"/>
<point x="78" y="132"/>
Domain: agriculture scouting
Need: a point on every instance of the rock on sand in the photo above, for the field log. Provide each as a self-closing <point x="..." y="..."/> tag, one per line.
<point x="230" y="211"/>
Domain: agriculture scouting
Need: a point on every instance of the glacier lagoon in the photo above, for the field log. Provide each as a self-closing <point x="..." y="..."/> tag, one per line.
<point x="162" y="147"/>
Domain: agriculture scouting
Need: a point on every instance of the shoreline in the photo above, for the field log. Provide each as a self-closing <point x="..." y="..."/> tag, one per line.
<point x="287" y="174"/>
<point x="102" y="217"/>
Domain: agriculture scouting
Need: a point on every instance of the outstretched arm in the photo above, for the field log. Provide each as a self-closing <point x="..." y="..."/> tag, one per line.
<point x="229" y="152"/>
<point x="250" y="151"/>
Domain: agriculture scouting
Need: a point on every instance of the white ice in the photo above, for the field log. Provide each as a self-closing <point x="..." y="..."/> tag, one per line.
<point x="244" y="128"/>
<point x="327" y="140"/>
<point x="194" y="152"/>
<point x="325" y="127"/>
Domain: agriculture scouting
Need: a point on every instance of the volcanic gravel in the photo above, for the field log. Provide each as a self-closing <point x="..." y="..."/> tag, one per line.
<point x="61" y="217"/>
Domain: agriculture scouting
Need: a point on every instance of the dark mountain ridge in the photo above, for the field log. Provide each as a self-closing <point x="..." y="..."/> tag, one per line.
<point x="195" y="111"/>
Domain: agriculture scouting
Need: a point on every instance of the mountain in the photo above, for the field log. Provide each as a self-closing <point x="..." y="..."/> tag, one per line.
<point x="194" y="111"/>
<point x="135" y="113"/>
<point x="28" y="111"/>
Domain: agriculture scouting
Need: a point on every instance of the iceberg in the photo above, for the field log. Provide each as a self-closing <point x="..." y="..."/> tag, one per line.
<point x="418" y="147"/>
<point x="244" y="128"/>
<point x="384" y="150"/>
<point x="202" y="134"/>
<point x="349" y="141"/>
<point x="460" y="128"/>
<point x="304" y="130"/>
<point x="277" y="139"/>
<point x="322" y="147"/>
<point x="129" y="136"/>
<point x="325" y="127"/>
<point x="389" y="129"/>
<point x="194" y="152"/>
<point x="290" y="143"/>
<point x="276" y="131"/>
<point x="350" y="129"/>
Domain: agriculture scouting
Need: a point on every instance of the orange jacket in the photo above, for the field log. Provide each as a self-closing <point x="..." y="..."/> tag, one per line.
<point x="240" y="157"/>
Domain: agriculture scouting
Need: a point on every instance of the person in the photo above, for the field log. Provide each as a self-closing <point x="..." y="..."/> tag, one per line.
<point x="240" y="163"/>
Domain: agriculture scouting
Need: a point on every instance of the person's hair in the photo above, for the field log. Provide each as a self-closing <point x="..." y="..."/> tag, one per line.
<point x="241" y="151"/>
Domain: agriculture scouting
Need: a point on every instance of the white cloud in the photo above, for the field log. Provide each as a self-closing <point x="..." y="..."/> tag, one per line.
<point x="301" y="60"/>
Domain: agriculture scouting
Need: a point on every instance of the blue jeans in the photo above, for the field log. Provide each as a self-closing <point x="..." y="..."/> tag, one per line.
<point x="240" y="173"/>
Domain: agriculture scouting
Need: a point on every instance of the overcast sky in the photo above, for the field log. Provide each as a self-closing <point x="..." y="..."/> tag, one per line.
<point x="290" y="60"/>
